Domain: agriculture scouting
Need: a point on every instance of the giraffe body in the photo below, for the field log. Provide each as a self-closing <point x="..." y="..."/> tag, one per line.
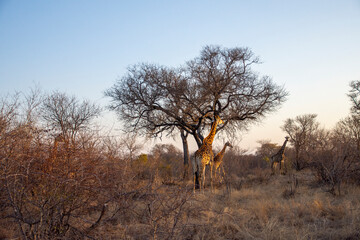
<point x="279" y="156"/>
<point x="219" y="158"/>
<point x="205" y="156"/>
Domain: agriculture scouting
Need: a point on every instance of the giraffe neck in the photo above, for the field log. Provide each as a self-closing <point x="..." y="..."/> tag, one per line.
<point x="223" y="150"/>
<point x="210" y="138"/>
<point x="282" y="149"/>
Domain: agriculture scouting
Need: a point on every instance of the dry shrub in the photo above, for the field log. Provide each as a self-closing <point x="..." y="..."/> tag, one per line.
<point x="255" y="211"/>
<point x="336" y="166"/>
<point x="89" y="189"/>
<point x="55" y="189"/>
<point x="53" y="195"/>
<point x="328" y="210"/>
<point x="293" y="184"/>
<point x="244" y="171"/>
<point x="243" y="165"/>
<point x="164" y="160"/>
<point x="155" y="211"/>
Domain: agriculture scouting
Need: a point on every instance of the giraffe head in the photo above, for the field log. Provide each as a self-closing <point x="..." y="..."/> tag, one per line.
<point x="287" y="138"/>
<point x="218" y="119"/>
<point x="228" y="144"/>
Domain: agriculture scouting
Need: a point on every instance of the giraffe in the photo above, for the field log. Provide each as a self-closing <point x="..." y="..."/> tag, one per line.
<point x="54" y="152"/>
<point x="59" y="138"/>
<point x="279" y="156"/>
<point x="204" y="155"/>
<point x="219" y="157"/>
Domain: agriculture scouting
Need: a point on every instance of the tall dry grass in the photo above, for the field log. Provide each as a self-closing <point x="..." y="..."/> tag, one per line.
<point x="262" y="212"/>
<point x="255" y="211"/>
<point x="259" y="209"/>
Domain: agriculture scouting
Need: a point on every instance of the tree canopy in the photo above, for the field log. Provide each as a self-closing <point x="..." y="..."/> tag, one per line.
<point x="154" y="99"/>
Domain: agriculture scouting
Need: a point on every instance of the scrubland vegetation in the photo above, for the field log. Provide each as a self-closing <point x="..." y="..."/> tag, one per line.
<point x="62" y="177"/>
<point x="83" y="185"/>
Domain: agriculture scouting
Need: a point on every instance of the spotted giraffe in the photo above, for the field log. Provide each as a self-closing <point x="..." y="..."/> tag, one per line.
<point x="59" y="138"/>
<point x="219" y="158"/>
<point x="204" y="155"/>
<point x="279" y="156"/>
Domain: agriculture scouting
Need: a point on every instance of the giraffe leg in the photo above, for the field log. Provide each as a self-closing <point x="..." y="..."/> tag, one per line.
<point x="280" y="165"/>
<point x="276" y="166"/>
<point x="211" y="184"/>
<point x="223" y="170"/>
<point x="203" y="177"/>
<point x="284" y="167"/>
<point x="272" y="166"/>
<point x="215" y="173"/>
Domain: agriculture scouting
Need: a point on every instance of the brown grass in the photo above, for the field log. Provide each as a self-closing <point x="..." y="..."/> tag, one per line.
<point x="257" y="210"/>
<point x="260" y="211"/>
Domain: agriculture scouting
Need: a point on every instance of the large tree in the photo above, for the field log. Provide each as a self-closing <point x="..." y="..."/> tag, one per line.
<point x="156" y="99"/>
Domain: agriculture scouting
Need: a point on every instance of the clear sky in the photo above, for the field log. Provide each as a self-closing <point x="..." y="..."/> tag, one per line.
<point x="312" y="47"/>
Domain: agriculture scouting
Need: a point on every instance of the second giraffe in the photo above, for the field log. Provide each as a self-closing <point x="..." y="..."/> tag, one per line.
<point x="219" y="159"/>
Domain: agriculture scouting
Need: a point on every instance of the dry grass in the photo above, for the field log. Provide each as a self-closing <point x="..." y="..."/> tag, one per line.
<point x="260" y="211"/>
<point x="257" y="210"/>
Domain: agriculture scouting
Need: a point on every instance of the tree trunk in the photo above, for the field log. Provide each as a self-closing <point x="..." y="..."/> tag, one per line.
<point x="186" y="153"/>
<point x="198" y="138"/>
<point x="297" y="160"/>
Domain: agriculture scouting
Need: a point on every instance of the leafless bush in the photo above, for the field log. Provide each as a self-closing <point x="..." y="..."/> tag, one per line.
<point x="165" y="160"/>
<point x="293" y="184"/>
<point x="244" y="170"/>
<point x="336" y="165"/>
<point x="338" y="160"/>
<point x="163" y="212"/>
<point x="51" y="188"/>
<point x="243" y="164"/>
<point x="51" y="196"/>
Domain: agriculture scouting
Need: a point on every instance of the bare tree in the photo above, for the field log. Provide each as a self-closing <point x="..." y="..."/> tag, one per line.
<point x="130" y="146"/>
<point x="338" y="159"/>
<point x="301" y="131"/>
<point x="48" y="195"/>
<point x="348" y="131"/>
<point x="156" y="99"/>
<point x="354" y="96"/>
<point x="228" y="84"/>
<point x="67" y="115"/>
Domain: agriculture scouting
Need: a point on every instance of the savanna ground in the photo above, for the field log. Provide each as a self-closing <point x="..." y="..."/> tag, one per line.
<point x="262" y="206"/>
<point x="252" y="205"/>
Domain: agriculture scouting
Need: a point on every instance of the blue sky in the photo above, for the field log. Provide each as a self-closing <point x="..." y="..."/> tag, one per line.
<point x="82" y="47"/>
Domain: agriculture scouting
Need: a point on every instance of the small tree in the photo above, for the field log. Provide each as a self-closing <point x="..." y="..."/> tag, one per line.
<point x="347" y="131"/>
<point x="266" y="150"/>
<point x="349" y="128"/>
<point x="168" y="159"/>
<point x="67" y="115"/>
<point x="302" y="131"/>
<point x="338" y="160"/>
